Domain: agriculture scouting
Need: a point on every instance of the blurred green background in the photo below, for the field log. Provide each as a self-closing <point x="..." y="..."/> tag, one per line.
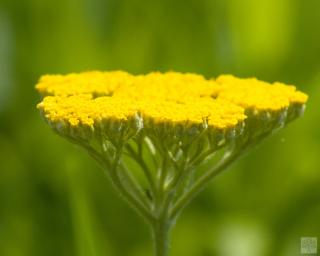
<point x="55" y="200"/>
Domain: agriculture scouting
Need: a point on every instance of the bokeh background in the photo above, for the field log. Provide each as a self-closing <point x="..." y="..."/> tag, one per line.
<point x="55" y="200"/>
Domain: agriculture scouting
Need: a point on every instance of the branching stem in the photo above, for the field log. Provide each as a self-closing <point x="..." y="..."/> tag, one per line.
<point x="200" y="184"/>
<point x="147" y="172"/>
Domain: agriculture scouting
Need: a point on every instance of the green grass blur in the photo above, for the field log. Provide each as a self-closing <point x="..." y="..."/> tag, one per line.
<point x="55" y="200"/>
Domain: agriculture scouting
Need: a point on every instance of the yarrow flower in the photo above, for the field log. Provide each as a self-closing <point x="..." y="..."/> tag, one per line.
<point x="170" y="124"/>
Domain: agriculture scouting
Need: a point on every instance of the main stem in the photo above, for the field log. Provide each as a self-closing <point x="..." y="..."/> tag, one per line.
<point x="163" y="212"/>
<point x="162" y="223"/>
<point x="161" y="236"/>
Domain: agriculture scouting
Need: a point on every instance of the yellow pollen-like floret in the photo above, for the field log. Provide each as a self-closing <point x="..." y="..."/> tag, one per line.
<point x="175" y="98"/>
<point x="254" y="94"/>
<point x="93" y="82"/>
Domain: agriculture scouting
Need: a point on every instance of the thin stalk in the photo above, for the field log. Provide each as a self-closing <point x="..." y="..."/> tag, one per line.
<point x="147" y="172"/>
<point x="134" y="202"/>
<point x="198" y="159"/>
<point x="130" y="182"/>
<point x="162" y="175"/>
<point x="202" y="182"/>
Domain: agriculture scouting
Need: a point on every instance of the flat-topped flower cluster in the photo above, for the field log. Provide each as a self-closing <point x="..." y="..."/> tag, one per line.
<point x="90" y="98"/>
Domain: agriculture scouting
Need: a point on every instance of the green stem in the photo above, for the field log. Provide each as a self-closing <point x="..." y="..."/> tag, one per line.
<point x="134" y="202"/>
<point x="162" y="225"/>
<point x="161" y="237"/>
<point x="147" y="172"/>
<point x="201" y="183"/>
<point x="129" y="181"/>
<point x="162" y="222"/>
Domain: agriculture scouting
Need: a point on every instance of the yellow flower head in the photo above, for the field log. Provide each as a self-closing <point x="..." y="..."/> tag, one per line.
<point x="96" y="100"/>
